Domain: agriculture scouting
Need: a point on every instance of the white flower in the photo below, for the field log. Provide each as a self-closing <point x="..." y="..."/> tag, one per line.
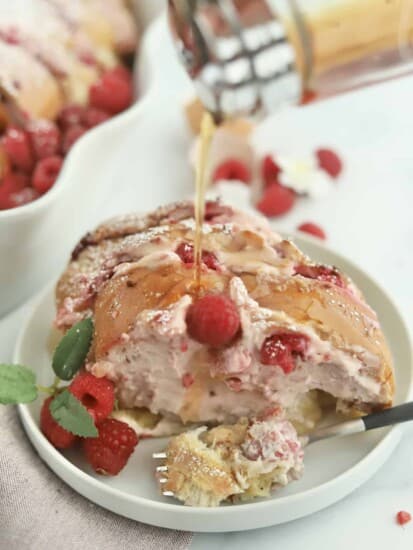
<point x="303" y="175"/>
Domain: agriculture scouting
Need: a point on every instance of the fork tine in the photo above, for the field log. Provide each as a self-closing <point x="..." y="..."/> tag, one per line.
<point x="159" y="455"/>
<point x="168" y="494"/>
<point x="162" y="468"/>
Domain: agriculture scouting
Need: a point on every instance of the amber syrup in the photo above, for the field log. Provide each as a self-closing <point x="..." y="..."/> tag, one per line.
<point x="201" y="174"/>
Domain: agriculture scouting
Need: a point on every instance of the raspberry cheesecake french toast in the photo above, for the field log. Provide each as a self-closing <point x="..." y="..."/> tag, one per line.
<point x="267" y="330"/>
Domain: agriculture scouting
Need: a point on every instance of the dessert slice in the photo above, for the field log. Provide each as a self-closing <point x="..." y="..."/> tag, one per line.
<point x="286" y="332"/>
<point x="232" y="462"/>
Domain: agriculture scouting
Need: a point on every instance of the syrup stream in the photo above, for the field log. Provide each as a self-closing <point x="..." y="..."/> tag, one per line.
<point x="205" y="138"/>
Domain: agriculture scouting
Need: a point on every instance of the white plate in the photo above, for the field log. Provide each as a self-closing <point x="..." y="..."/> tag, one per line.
<point x="332" y="468"/>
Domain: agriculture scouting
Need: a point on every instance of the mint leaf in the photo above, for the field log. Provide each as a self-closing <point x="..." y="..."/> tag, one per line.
<point x="17" y="384"/>
<point x="72" y="350"/>
<point x="71" y="415"/>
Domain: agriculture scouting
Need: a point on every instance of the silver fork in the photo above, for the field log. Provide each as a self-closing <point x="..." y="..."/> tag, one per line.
<point x="388" y="417"/>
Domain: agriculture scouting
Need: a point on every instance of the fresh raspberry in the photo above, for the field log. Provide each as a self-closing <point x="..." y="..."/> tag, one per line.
<point x="96" y="394"/>
<point x="93" y="117"/>
<point x="110" y="451"/>
<point x="213" y="320"/>
<point x="70" y="137"/>
<point x="232" y="169"/>
<point x="403" y="517"/>
<point x="186" y="252"/>
<point x="112" y="93"/>
<point x="269" y="170"/>
<point x="121" y="72"/>
<point x="71" y="115"/>
<point x="187" y="380"/>
<point x="16" y="143"/>
<point x="321" y="273"/>
<point x="46" y="173"/>
<point x="329" y="161"/>
<point x="58" y="436"/>
<point x="45" y="138"/>
<point x="12" y="184"/>
<point x="313" y="229"/>
<point x="281" y="350"/>
<point x="276" y="200"/>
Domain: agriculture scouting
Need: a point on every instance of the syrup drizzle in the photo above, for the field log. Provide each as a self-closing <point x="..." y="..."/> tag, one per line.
<point x="208" y="128"/>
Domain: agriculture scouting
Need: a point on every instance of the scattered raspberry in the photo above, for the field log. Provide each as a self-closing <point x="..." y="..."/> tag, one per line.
<point x="96" y="394"/>
<point x="282" y="349"/>
<point x="71" y="115"/>
<point x="112" y="93"/>
<point x="70" y="137"/>
<point x="313" y="229"/>
<point x="403" y="517"/>
<point x="213" y="320"/>
<point x="186" y="252"/>
<point x="187" y="380"/>
<point x="17" y="145"/>
<point x="321" y="273"/>
<point x="232" y="169"/>
<point x="93" y="117"/>
<point x="45" y="138"/>
<point x="46" y="173"/>
<point x="269" y="170"/>
<point x="276" y="200"/>
<point x="329" y="161"/>
<point x="58" y="436"/>
<point x="110" y="451"/>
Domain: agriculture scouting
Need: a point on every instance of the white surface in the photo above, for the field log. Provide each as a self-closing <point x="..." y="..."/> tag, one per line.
<point x="332" y="468"/>
<point x="368" y="218"/>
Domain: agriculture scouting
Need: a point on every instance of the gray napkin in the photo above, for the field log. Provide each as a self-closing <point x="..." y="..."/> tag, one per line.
<point x="38" y="511"/>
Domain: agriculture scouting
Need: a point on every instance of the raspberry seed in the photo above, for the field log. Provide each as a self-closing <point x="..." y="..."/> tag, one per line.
<point x="276" y="200"/>
<point x="58" y="436"/>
